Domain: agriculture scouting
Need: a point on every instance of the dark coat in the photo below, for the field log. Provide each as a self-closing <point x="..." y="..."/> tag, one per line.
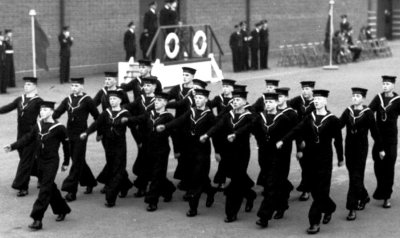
<point x="78" y="109"/>
<point x="65" y="45"/>
<point x="130" y="41"/>
<point x="150" y="22"/>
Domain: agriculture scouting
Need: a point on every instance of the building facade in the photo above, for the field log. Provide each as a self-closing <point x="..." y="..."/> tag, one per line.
<point x="98" y="25"/>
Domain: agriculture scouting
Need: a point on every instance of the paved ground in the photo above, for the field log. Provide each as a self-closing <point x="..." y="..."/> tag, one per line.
<point x="89" y="217"/>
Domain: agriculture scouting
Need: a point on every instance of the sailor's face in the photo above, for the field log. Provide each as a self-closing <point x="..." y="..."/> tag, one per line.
<point x="387" y="87"/>
<point x="357" y="99"/>
<point x="320" y="102"/>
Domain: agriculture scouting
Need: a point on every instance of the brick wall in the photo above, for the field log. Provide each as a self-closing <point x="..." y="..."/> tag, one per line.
<point x="98" y="25"/>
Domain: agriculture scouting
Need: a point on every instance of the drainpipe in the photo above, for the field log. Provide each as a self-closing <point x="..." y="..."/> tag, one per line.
<point x="248" y="13"/>
<point x="62" y="14"/>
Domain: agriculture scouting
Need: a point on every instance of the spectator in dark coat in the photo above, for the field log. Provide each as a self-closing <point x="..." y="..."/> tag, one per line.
<point x="150" y="24"/>
<point x="130" y="41"/>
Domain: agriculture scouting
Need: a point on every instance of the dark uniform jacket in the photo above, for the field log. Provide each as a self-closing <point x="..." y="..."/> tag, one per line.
<point x="48" y="137"/>
<point x="27" y="112"/>
<point x="78" y="108"/>
<point x="387" y="111"/>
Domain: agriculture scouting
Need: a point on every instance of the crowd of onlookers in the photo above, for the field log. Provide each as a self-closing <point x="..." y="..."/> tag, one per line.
<point x="344" y="45"/>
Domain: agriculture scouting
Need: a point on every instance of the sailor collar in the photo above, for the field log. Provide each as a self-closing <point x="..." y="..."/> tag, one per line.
<point x="202" y="115"/>
<point x="78" y="104"/>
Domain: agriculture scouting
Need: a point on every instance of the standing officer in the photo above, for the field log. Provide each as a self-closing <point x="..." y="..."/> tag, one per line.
<point x="304" y="105"/>
<point x="318" y="129"/>
<point x="246" y="43"/>
<point x="236" y="44"/>
<point x="3" y="79"/>
<point x="66" y="42"/>
<point x="109" y="126"/>
<point x="47" y="136"/>
<point x="130" y="41"/>
<point x="150" y="23"/>
<point x="270" y="126"/>
<point x="28" y="108"/>
<point x="237" y="123"/>
<point x="358" y="119"/>
<point x="78" y="105"/>
<point x="386" y="106"/>
<point x="9" y="60"/>
<point x="255" y="46"/>
<point x="264" y="45"/>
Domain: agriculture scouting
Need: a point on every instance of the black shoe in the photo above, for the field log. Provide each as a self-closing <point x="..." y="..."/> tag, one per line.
<point x="386" y="204"/>
<point x="304" y="196"/>
<point x="230" y="219"/>
<point x="103" y="190"/>
<point x="22" y="193"/>
<point x="151" y="207"/>
<point x="89" y="190"/>
<point x="263" y="223"/>
<point x="70" y="197"/>
<point x="313" y="229"/>
<point x="249" y="205"/>
<point x="109" y="204"/>
<point x="352" y="215"/>
<point x="279" y="214"/>
<point x="327" y="218"/>
<point x="140" y="193"/>
<point x="210" y="199"/>
<point x="361" y="205"/>
<point x="36" y="225"/>
<point x="61" y="217"/>
<point x="191" y="213"/>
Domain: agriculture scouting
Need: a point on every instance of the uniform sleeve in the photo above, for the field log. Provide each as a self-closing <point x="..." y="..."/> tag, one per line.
<point x="178" y="121"/>
<point x="125" y="99"/>
<point x="26" y="139"/>
<point x="97" y="124"/>
<point x="97" y="98"/>
<point x="343" y="119"/>
<point x="374" y="105"/>
<point x="61" y="109"/>
<point x="9" y="107"/>
<point x="295" y="132"/>
<point x="374" y="131"/>
<point x="338" y="143"/>
<point x="246" y="128"/>
<point x="65" y="144"/>
<point x="126" y="40"/>
<point x="257" y="129"/>
<point x="92" y="108"/>
<point x="218" y="126"/>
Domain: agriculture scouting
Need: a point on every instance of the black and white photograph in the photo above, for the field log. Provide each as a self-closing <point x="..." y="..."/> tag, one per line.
<point x="187" y="118"/>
